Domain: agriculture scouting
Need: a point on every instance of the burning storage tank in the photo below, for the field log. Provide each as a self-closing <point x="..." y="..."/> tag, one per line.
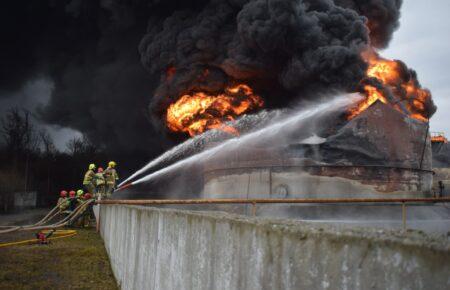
<point x="227" y="60"/>
<point x="379" y="152"/>
<point x="441" y="164"/>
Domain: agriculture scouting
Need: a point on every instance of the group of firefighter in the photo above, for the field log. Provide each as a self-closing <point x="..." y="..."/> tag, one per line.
<point x="97" y="183"/>
<point x="101" y="183"/>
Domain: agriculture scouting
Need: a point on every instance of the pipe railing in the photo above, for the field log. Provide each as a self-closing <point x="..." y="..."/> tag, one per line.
<point x="255" y="201"/>
<point x="269" y="200"/>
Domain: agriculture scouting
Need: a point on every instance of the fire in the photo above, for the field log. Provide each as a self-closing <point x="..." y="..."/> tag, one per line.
<point x="372" y="96"/>
<point x="199" y="112"/>
<point x="438" y="138"/>
<point x="400" y="88"/>
<point x="384" y="70"/>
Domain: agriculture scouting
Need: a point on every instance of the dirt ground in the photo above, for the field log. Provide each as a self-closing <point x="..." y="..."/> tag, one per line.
<point x="78" y="262"/>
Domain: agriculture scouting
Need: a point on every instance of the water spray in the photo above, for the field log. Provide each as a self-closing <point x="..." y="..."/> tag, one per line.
<point x="192" y="145"/>
<point x="332" y="105"/>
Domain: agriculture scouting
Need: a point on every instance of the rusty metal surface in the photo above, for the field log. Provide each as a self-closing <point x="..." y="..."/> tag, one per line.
<point x="274" y="201"/>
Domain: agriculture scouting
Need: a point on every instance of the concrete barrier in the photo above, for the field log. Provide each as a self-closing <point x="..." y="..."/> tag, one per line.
<point x="173" y="249"/>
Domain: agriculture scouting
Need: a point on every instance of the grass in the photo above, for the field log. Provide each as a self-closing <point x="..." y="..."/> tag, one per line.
<point x="78" y="262"/>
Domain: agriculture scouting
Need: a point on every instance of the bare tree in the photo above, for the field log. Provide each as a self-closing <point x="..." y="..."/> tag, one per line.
<point x="81" y="146"/>
<point x="19" y="136"/>
<point x="47" y="144"/>
<point x="49" y="154"/>
<point x="18" y="132"/>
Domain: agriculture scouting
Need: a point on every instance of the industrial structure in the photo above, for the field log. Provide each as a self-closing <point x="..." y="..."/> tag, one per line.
<point x="381" y="151"/>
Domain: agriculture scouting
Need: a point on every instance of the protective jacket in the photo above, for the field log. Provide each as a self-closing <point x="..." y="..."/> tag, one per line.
<point x="88" y="177"/>
<point x="62" y="203"/>
<point x="111" y="176"/>
<point x="99" y="179"/>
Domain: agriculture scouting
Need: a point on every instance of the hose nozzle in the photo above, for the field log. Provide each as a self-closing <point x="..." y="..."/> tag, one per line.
<point x="124" y="186"/>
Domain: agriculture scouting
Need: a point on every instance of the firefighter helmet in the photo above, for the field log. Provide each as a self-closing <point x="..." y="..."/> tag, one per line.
<point x="100" y="170"/>
<point x="63" y="193"/>
<point x="79" y="192"/>
<point x="72" y="193"/>
<point x="91" y="166"/>
<point x="112" y="164"/>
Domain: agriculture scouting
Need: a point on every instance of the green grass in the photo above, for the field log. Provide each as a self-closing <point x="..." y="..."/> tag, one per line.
<point x="78" y="262"/>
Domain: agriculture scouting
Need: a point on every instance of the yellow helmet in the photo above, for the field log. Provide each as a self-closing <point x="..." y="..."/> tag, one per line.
<point x="112" y="164"/>
<point x="91" y="166"/>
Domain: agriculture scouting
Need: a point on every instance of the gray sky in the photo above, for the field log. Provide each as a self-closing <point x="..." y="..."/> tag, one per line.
<point x="423" y="43"/>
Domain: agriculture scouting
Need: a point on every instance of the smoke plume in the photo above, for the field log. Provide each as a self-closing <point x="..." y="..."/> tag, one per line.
<point x="383" y="17"/>
<point x="111" y="59"/>
<point x="284" y="49"/>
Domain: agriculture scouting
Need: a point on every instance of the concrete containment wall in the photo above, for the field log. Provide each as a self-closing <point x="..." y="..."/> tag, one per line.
<point x="172" y="249"/>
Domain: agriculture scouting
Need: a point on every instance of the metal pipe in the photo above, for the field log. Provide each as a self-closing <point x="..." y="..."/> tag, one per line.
<point x="271" y="200"/>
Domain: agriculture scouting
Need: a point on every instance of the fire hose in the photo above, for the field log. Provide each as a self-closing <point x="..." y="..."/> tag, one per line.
<point x="40" y="225"/>
<point x="50" y="215"/>
<point x="59" y="234"/>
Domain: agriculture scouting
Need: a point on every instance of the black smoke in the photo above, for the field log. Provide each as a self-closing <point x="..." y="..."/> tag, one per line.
<point x="89" y="50"/>
<point x="109" y="59"/>
<point x="383" y="17"/>
<point x="284" y="49"/>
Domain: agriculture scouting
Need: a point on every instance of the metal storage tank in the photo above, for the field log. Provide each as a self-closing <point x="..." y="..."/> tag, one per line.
<point x="379" y="153"/>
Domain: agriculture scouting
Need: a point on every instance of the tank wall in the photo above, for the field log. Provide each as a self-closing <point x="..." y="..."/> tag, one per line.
<point x="322" y="182"/>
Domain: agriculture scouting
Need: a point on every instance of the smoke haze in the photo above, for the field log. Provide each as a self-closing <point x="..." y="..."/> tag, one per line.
<point x="109" y="60"/>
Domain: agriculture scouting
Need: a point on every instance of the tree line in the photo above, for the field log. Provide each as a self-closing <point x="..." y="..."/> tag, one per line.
<point x="30" y="161"/>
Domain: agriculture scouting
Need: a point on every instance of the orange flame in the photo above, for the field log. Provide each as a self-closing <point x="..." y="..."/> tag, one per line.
<point x="199" y="112"/>
<point x="389" y="74"/>
<point x="438" y="138"/>
<point x="373" y="95"/>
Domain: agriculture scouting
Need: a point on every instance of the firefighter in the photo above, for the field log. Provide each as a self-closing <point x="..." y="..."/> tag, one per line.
<point x="100" y="183"/>
<point x="72" y="201"/>
<point x="87" y="196"/>
<point x="62" y="200"/>
<point x="111" y="178"/>
<point x="88" y="181"/>
<point x="80" y="194"/>
<point x="88" y="215"/>
<point x="83" y="219"/>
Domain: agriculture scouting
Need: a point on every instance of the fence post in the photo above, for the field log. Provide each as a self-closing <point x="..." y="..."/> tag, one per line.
<point x="404" y="216"/>
<point x="253" y="208"/>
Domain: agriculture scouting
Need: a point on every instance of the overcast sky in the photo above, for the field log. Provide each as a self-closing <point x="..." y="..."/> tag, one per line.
<point x="423" y="43"/>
